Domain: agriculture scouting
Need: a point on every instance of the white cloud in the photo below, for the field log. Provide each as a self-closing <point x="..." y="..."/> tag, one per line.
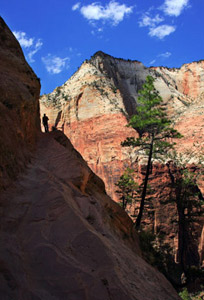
<point x="165" y="55"/>
<point x="93" y="12"/>
<point x="55" y="64"/>
<point x="30" y="45"/>
<point x="146" y="20"/>
<point x="23" y="39"/>
<point x="174" y="7"/>
<point x="37" y="46"/>
<point x="76" y="6"/>
<point x="161" y="31"/>
<point x="113" y="12"/>
<point x="152" y="23"/>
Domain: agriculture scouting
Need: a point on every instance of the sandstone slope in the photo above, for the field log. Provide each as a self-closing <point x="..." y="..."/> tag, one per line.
<point x="62" y="237"/>
<point x="19" y="107"/>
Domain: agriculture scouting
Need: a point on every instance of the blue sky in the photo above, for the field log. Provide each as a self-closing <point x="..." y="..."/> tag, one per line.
<point x="57" y="36"/>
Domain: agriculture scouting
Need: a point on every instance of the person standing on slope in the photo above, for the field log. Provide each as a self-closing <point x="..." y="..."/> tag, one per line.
<point x="45" y="122"/>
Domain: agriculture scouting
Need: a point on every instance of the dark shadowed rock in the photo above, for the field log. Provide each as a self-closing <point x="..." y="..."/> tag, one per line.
<point x="19" y="107"/>
<point x="62" y="237"/>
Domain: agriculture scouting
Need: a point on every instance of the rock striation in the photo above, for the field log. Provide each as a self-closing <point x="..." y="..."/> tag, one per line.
<point x="19" y="107"/>
<point x="92" y="109"/>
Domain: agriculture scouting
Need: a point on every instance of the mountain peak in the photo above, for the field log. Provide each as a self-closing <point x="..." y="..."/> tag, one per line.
<point x="101" y="54"/>
<point x="105" y="55"/>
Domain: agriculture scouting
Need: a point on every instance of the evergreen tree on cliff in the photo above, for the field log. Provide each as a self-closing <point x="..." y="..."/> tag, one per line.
<point x="127" y="188"/>
<point x="154" y="129"/>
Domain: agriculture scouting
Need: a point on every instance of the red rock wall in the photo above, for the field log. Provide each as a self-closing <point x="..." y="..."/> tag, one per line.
<point x="96" y="127"/>
<point x="99" y="140"/>
<point x="19" y="107"/>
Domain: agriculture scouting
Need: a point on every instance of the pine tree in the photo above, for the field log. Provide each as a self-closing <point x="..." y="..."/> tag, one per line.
<point x="127" y="188"/>
<point x="155" y="132"/>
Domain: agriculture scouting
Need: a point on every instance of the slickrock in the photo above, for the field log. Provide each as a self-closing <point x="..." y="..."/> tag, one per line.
<point x="19" y="107"/>
<point x="62" y="237"/>
<point x="92" y="108"/>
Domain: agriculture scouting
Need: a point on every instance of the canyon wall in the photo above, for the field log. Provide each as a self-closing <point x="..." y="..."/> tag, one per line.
<point x="19" y="108"/>
<point x="92" y="109"/>
<point x="61" y="236"/>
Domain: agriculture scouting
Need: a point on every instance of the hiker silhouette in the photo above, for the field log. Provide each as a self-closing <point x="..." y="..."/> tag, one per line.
<point x="45" y="122"/>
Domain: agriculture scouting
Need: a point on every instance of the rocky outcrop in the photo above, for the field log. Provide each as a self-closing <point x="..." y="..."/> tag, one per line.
<point x="92" y="109"/>
<point x="19" y="107"/>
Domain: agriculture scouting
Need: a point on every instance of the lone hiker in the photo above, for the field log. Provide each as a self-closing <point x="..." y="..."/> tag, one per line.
<point x="45" y="122"/>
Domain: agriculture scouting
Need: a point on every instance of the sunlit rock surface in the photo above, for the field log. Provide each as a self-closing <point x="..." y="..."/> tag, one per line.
<point x="92" y="107"/>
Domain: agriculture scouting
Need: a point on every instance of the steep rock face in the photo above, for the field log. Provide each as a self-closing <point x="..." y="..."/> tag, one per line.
<point x="183" y="89"/>
<point x="92" y="106"/>
<point x="62" y="237"/>
<point x="19" y="107"/>
<point x="92" y="109"/>
<point x="89" y="108"/>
